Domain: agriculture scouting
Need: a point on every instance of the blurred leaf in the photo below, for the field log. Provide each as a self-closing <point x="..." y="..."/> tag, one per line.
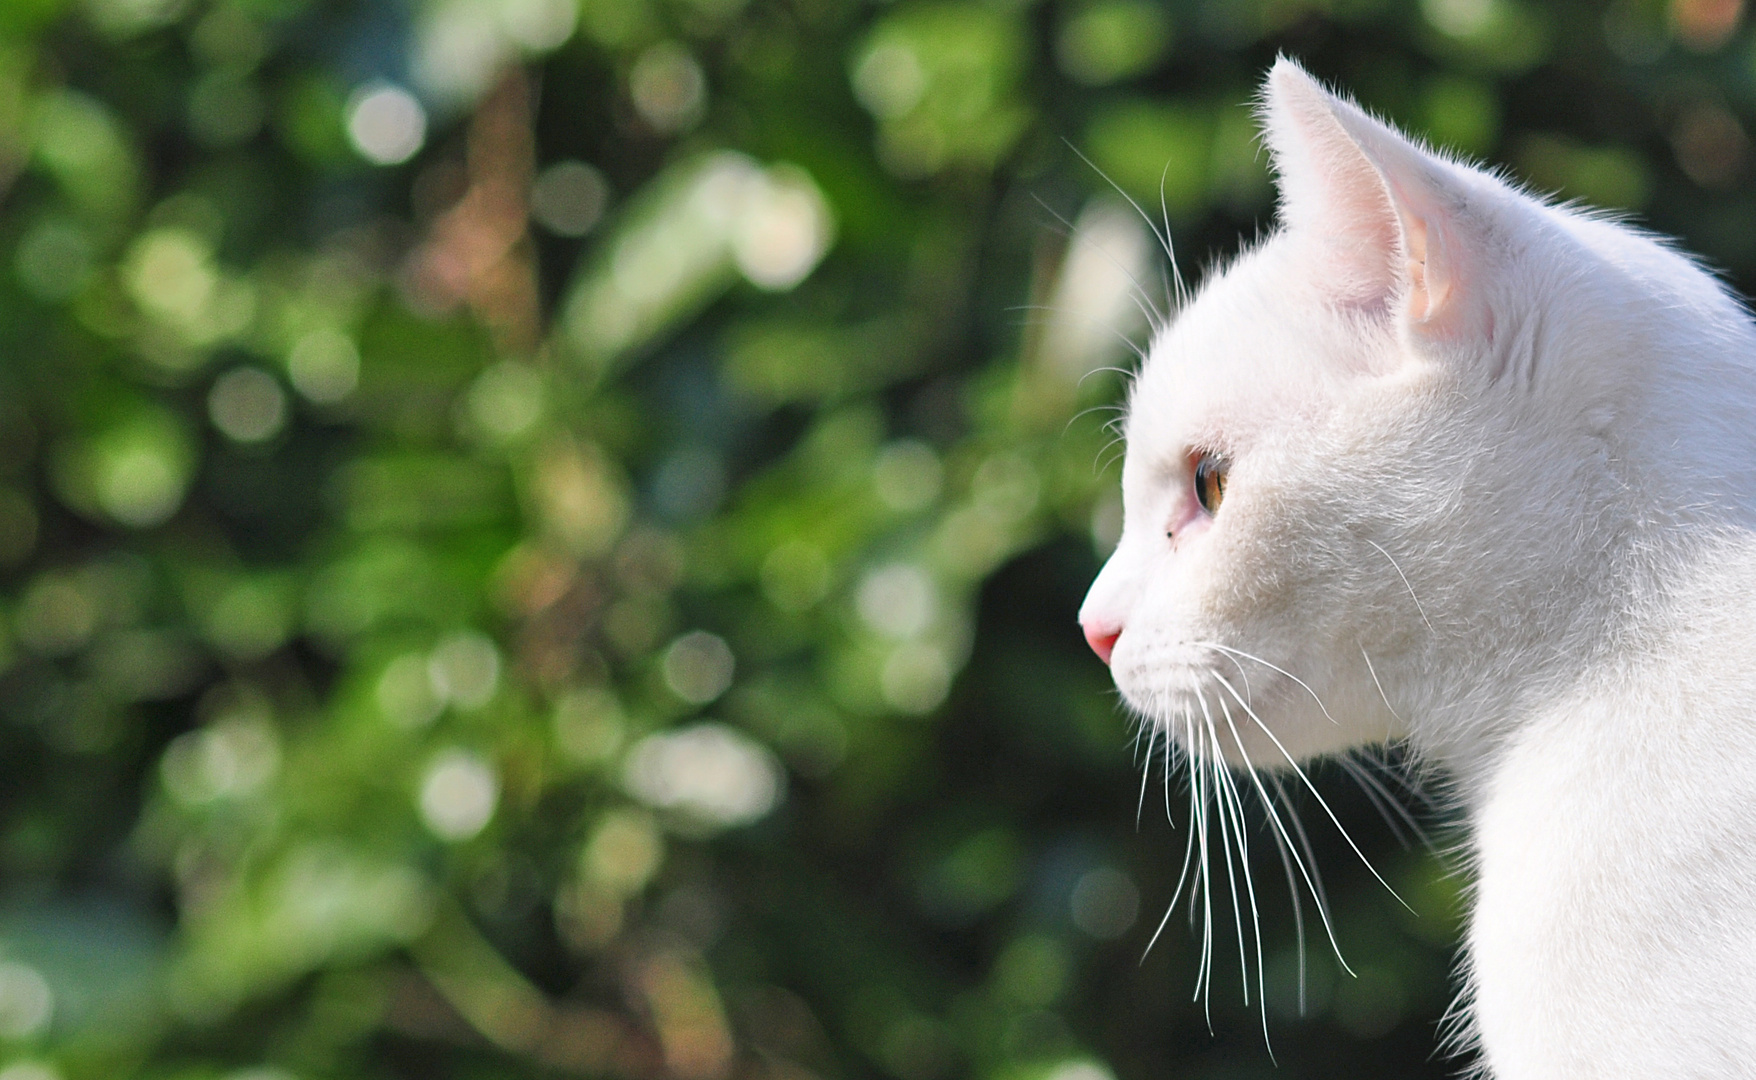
<point x="1112" y="39"/>
<point x="1610" y="176"/>
<point x="1149" y="149"/>
<point x="644" y="645"/>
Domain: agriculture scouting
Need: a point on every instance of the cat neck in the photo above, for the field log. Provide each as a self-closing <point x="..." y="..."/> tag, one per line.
<point x="1650" y="666"/>
<point x="1611" y="850"/>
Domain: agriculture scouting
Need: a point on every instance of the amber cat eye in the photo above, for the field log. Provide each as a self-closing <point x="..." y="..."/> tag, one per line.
<point x="1210" y="482"/>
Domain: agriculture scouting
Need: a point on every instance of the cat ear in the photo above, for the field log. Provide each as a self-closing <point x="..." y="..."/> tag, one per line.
<point x="1385" y="211"/>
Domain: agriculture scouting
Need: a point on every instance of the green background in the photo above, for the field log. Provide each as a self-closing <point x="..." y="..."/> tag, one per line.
<point x="542" y="538"/>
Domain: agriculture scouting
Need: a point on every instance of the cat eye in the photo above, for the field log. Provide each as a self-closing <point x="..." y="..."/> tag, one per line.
<point x="1210" y="482"/>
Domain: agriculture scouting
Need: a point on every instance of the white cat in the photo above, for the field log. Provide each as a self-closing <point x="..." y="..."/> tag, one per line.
<point x="1439" y="463"/>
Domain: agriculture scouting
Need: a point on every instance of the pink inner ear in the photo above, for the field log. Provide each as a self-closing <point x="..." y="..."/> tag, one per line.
<point x="1373" y="201"/>
<point x="1329" y="190"/>
<point x="1424" y="264"/>
<point x="1440" y="259"/>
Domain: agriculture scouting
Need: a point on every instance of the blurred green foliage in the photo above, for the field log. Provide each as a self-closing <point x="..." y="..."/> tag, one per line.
<point x="540" y="537"/>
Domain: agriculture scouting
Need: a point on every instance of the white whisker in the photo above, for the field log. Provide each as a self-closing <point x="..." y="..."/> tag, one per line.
<point x="1379" y="685"/>
<point x="1386" y="803"/>
<point x="1237" y="808"/>
<point x="1145" y="775"/>
<point x="1272" y="667"/>
<point x="1397" y="773"/>
<point x="1182" y="296"/>
<point x="1205" y="976"/>
<point x="1222" y="781"/>
<point x="1315" y="877"/>
<point x="1405" y="584"/>
<point x="1314" y="885"/>
<point x="1137" y="293"/>
<point x="1126" y="341"/>
<point x="1389" y="807"/>
<point x="1188" y="856"/>
<point x="1286" y="864"/>
<point x="1167" y="779"/>
<point x="1312" y="788"/>
<point x="1164" y="238"/>
<point x="1182" y="876"/>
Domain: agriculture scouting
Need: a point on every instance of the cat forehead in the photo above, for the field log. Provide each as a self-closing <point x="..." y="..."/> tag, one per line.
<point x="1257" y="349"/>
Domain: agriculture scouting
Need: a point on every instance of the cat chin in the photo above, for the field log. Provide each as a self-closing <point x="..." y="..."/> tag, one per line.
<point x="1252" y="718"/>
<point x="1233" y="741"/>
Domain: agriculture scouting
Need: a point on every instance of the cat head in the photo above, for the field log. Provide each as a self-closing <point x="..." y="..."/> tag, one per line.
<point x="1384" y="469"/>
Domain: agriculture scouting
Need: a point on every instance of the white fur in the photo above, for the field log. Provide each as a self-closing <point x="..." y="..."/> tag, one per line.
<point x="1492" y="491"/>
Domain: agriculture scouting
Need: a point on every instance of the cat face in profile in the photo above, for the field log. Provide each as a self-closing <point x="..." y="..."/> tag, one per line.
<point x="1383" y="471"/>
<point x="1442" y="463"/>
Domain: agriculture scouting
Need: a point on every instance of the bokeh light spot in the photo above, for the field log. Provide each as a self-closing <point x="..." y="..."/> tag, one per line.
<point x="1112" y="39"/>
<point x="1459" y="18"/>
<point x="539" y="25"/>
<point x="57" y="615"/>
<point x="1032" y="970"/>
<point x="1105" y="903"/>
<point x="908" y="475"/>
<point x="170" y="272"/>
<point x="589" y="724"/>
<point x="53" y="260"/>
<point x="385" y="123"/>
<point x="26" y="1002"/>
<point x="795" y="576"/>
<point x="458" y="795"/>
<point x="698" y="667"/>
<point x="713" y="774"/>
<point x="233" y="757"/>
<point x="889" y="80"/>
<point x="1705" y="25"/>
<point x="251" y="618"/>
<point x="142" y="473"/>
<point x="624" y="851"/>
<point x="784" y="231"/>
<point x="1092" y="314"/>
<point x="569" y="198"/>
<point x="506" y="400"/>
<point x="465" y="669"/>
<point x="247" y="405"/>
<point x="916" y="678"/>
<point x="405" y="693"/>
<point x="324" y="365"/>
<point x="898" y="601"/>
<point x="668" y="88"/>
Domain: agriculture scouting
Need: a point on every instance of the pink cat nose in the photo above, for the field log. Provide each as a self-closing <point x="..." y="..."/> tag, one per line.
<point x="1102" y="639"/>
